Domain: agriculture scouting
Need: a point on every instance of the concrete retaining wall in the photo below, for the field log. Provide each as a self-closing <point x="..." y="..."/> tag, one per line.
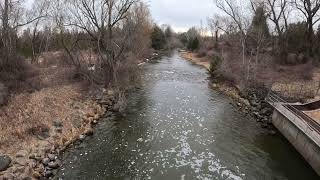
<point x="301" y="141"/>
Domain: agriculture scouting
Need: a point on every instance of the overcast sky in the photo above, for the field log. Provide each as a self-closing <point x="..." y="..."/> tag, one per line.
<point x="181" y="14"/>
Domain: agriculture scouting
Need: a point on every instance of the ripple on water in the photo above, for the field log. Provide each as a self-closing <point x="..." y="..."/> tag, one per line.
<point x="177" y="128"/>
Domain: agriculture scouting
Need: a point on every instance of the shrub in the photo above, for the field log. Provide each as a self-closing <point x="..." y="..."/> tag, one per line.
<point x="201" y="53"/>
<point x="193" y="44"/>
<point x="215" y="64"/>
<point x="295" y="35"/>
<point x="158" y="38"/>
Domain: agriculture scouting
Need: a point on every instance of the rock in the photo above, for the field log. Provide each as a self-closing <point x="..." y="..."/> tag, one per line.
<point x="33" y="164"/>
<point x="82" y="137"/>
<point x="36" y="157"/>
<point x="36" y="175"/>
<point x="8" y="176"/>
<point x="59" y="130"/>
<point x="256" y="114"/>
<point x="53" y="165"/>
<point x="21" y="153"/>
<point x="239" y="104"/>
<point x="45" y="161"/>
<point x="19" y="169"/>
<point x="110" y="92"/>
<point x="52" y="157"/>
<point x="21" y="161"/>
<point x="94" y="122"/>
<point x="116" y="108"/>
<point x="25" y="177"/>
<point x="108" y="114"/>
<point x="57" y="123"/>
<point x="96" y="117"/>
<point x="89" y="132"/>
<point x="48" y="173"/>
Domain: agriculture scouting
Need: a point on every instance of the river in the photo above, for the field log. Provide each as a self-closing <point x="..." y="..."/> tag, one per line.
<point x="176" y="127"/>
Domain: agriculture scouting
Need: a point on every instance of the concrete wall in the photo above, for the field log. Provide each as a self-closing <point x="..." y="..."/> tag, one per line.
<point x="301" y="141"/>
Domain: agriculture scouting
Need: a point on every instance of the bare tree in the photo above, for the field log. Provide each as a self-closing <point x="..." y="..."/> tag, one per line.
<point x="39" y="8"/>
<point x="235" y="10"/>
<point x="278" y="12"/>
<point x="215" y="25"/>
<point x="310" y="9"/>
<point x="99" y="19"/>
<point x="13" y="17"/>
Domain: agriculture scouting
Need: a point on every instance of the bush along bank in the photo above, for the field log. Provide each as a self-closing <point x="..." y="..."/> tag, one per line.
<point x="42" y="161"/>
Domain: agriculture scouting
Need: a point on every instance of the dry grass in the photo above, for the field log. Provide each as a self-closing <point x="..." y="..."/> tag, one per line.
<point x="194" y="59"/>
<point x="314" y="115"/>
<point x="282" y="77"/>
<point x="55" y="96"/>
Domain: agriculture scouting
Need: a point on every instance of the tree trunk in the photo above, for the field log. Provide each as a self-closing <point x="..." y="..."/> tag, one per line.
<point x="5" y="32"/>
<point x="217" y="38"/>
<point x="309" y="39"/>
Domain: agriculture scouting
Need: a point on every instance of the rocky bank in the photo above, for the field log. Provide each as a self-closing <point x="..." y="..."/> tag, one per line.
<point x="42" y="162"/>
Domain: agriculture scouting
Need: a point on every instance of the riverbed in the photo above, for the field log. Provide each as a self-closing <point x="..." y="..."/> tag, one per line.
<point x="177" y="127"/>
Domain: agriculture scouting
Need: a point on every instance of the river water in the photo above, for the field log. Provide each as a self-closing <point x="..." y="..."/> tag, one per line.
<point x="176" y="127"/>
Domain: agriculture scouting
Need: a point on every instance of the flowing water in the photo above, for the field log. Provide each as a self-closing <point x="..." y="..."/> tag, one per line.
<point x="176" y="127"/>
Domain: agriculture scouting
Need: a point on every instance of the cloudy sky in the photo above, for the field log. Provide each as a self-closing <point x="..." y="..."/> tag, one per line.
<point x="181" y="14"/>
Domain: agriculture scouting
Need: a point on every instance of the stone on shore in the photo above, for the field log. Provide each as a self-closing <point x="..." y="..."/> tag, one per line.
<point x="4" y="162"/>
<point x="53" y="165"/>
<point x="21" y="153"/>
<point x="45" y="161"/>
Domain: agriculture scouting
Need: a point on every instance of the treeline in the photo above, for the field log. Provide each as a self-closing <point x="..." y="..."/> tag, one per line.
<point x="289" y="27"/>
<point x="286" y="30"/>
<point x="164" y="38"/>
<point x="115" y="33"/>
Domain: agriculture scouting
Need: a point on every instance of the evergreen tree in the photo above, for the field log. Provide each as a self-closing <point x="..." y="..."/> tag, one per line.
<point x="158" y="38"/>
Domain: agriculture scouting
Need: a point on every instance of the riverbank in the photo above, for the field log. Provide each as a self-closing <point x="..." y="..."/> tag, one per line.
<point x="176" y="115"/>
<point x="249" y="102"/>
<point x="37" y="125"/>
<point x="43" y="123"/>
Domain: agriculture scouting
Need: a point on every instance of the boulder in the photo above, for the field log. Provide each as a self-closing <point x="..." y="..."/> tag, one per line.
<point x="53" y="165"/>
<point x="4" y="162"/>
<point x="52" y="157"/>
<point x="45" y="161"/>
<point x="48" y="173"/>
<point x="36" y="175"/>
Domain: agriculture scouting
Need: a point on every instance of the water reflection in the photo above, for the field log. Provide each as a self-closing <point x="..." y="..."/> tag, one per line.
<point x="177" y="128"/>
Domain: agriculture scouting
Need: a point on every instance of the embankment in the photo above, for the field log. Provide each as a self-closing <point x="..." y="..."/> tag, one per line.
<point x="250" y="102"/>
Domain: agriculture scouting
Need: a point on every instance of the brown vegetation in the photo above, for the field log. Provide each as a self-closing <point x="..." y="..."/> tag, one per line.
<point x="51" y="59"/>
<point x="50" y="94"/>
